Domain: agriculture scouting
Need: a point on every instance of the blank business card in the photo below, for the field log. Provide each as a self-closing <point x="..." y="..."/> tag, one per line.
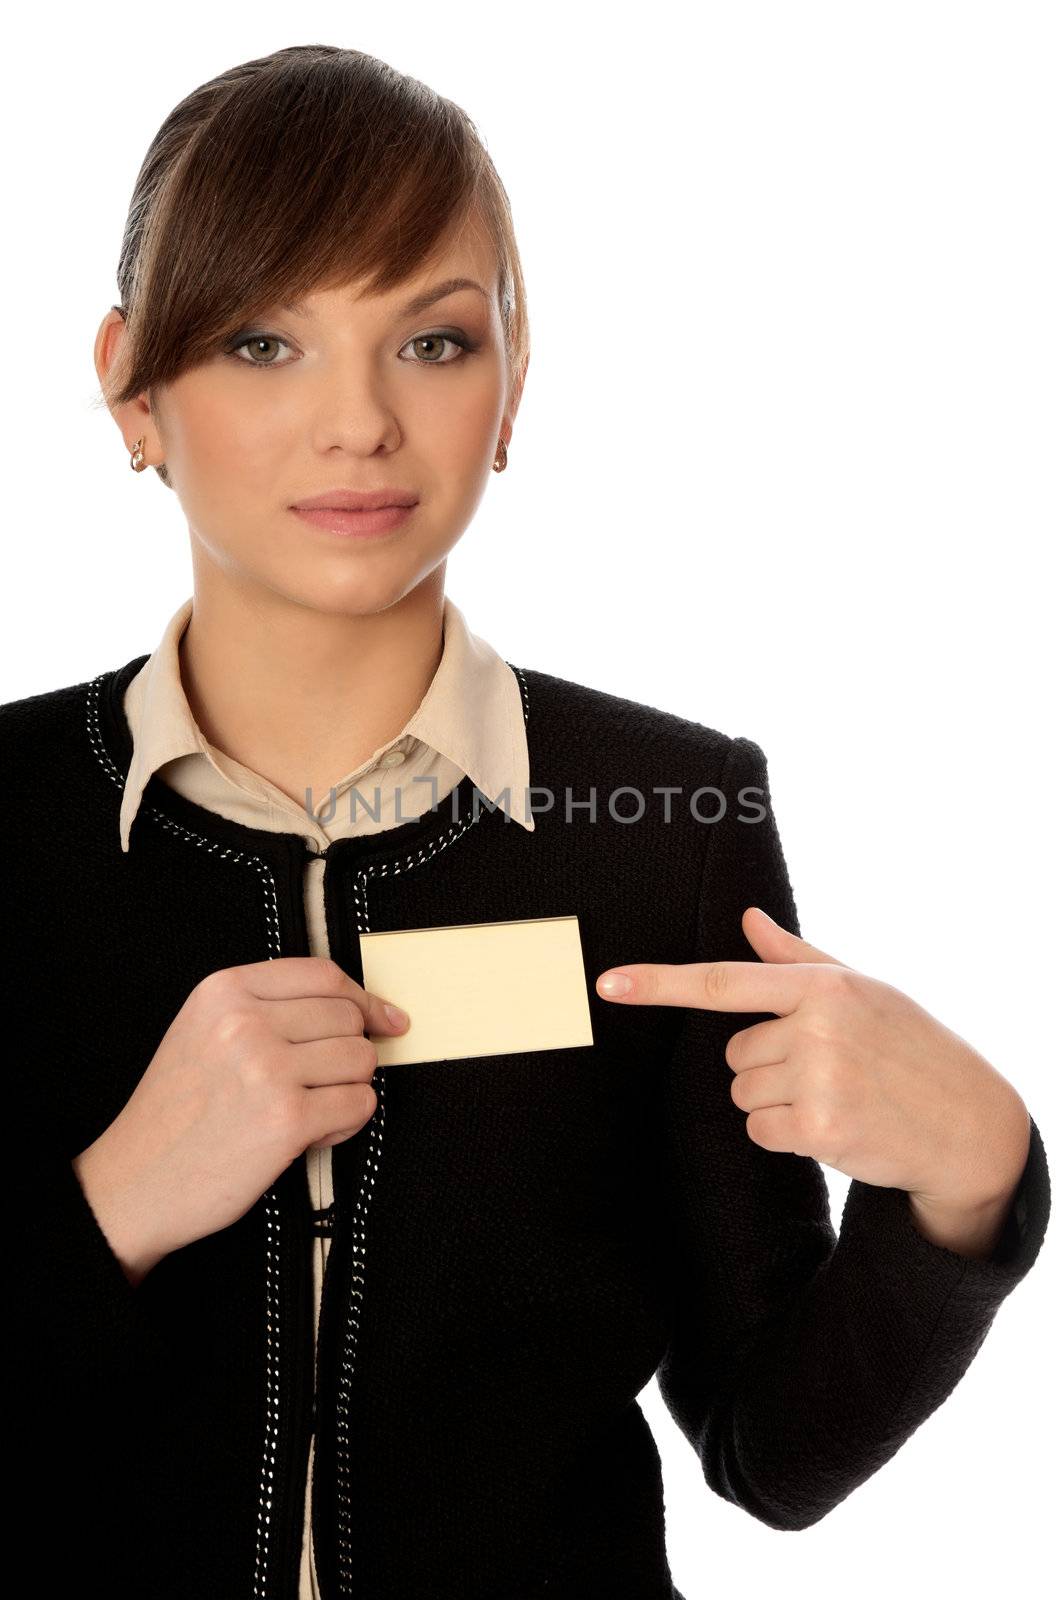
<point x="480" y="988"/>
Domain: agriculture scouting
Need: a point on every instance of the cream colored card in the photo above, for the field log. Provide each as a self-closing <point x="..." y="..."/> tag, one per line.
<point x="480" y="989"/>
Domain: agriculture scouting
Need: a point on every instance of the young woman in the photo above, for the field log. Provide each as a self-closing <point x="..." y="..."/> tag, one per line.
<point x="299" y="1316"/>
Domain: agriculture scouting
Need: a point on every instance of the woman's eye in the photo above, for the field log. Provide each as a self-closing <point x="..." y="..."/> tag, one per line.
<point x="429" y="343"/>
<point x="257" y="340"/>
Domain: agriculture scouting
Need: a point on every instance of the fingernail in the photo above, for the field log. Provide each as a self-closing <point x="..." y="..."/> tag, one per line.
<point x="615" y="983"/>
<point x="396" y="1015"/>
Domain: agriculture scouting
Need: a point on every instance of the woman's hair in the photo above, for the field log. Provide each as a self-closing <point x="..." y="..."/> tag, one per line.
<point x="303" y="169"/>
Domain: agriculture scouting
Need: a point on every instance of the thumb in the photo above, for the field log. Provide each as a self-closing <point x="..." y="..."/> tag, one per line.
<point x="772" y="942"/>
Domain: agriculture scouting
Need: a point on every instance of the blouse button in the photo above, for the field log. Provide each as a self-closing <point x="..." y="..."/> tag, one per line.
<point x="392" y="758"/>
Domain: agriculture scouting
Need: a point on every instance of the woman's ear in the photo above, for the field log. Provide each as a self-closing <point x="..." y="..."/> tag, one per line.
<point x="513" y="403"/>
<point x="133" y="417"/>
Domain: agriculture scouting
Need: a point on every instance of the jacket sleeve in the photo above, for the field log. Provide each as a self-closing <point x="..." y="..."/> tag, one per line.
<point x="79" y="1363"/>
<point x="799" y="1361"/>
<point x="84" y="1334"/>
<point x="84" y="1315"/>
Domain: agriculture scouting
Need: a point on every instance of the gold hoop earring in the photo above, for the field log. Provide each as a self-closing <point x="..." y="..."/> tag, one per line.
<point x="136" y="459"/>
<point x="501" y="451"/>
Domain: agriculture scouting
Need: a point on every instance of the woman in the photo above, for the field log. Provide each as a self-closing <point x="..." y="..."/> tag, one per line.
<point x="305" y="1315"/>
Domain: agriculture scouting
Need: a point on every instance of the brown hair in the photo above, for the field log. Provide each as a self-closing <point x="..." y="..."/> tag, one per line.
<point x="302" y="169"/>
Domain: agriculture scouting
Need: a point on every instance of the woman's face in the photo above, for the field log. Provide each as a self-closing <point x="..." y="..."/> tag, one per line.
<point x="349" y="393"/>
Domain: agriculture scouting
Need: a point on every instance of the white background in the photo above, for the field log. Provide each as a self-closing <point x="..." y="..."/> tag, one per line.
<point x="788" y="463"/>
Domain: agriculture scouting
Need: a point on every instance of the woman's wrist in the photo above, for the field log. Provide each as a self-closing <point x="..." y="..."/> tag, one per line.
<point x="116" y="1216"/>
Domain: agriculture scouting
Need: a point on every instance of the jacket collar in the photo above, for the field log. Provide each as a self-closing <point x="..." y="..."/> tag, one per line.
<point x="472" y="713"/>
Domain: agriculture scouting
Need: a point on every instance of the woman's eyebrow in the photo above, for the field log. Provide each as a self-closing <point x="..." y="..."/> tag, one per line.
<point x="414" y="307"/>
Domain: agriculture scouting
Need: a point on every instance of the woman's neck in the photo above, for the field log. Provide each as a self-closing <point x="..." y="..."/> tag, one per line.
<point x="302" y="696"/>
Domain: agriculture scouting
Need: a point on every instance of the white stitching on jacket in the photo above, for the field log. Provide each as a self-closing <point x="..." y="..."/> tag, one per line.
<point x="361" y="1205"/>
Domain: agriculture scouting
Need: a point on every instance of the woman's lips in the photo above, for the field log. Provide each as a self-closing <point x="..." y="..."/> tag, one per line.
<point x="360" y="524"/>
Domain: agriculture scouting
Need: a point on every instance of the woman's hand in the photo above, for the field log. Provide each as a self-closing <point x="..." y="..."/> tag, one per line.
<point x="854" y="1073"/>
<point x="261" y="1063"/>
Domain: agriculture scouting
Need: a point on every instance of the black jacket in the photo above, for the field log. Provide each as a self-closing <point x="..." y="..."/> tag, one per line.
<point x="521" y="1241"/>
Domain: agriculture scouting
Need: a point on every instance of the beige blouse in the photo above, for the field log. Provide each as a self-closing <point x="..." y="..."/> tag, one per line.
<point x="470" y="722"/>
